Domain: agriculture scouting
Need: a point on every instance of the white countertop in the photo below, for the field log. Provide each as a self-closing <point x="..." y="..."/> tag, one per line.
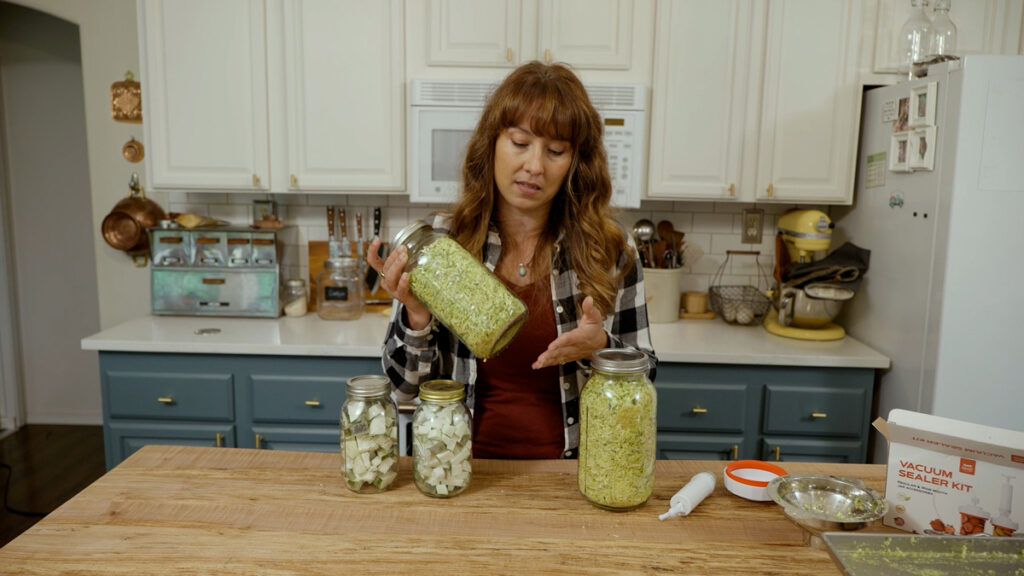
<point x="690" y="341"/>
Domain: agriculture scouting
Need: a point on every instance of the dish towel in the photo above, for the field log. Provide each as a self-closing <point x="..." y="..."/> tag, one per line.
<point x="843" y="267"/>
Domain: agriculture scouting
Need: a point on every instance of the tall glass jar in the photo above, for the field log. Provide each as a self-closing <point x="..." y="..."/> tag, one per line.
<point x="460" y="291"/>
<point x="442" y="440"/>
<point x="293" y="297"/>
<point x="369" y="434"/>
<point x="617" y="430"/>
<point x="339" y="290"/>
<point x="941" y="33"/>
<point x="914" y="38"/>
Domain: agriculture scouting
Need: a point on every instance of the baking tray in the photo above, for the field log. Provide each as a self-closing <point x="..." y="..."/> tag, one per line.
<point x="914" y="555"/>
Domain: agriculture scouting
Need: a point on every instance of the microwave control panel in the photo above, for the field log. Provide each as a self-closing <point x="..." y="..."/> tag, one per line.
<point x="623" y="142"/>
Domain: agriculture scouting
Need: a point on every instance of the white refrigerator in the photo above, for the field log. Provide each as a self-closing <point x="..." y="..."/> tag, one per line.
<point x="944" y="294"/>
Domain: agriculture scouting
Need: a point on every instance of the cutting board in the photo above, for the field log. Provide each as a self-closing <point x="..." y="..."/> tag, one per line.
<point x="318" y="252"/>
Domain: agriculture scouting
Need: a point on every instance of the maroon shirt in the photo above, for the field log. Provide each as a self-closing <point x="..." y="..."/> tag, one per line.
<point x="518" y="411"/>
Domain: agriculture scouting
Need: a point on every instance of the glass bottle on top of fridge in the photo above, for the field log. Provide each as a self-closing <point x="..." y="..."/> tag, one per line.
<point x="941" y="33"/>
<point x="618" y="432"/>
<point x="369" y="434"/>
<point x="914" y="38"/>
<point x="339" y="290"/>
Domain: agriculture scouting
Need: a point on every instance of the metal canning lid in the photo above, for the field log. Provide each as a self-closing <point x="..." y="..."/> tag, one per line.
<point x="405" y="233"/>
<point x="339" y="263"/>
<point x="368" y="385"/>
<point x="619" y="360"/>
<point x="295" y="282"/>
<point x="442" y="390"/>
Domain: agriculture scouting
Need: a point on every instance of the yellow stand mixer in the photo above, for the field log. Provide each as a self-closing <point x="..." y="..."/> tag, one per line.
<point x="802" y="309"/>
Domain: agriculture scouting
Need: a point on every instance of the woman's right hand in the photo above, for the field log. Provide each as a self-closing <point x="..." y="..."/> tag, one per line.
<point x="395" y="282"/>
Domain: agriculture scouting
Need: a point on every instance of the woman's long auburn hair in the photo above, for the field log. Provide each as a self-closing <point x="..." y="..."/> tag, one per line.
<point x="557" y="106"/>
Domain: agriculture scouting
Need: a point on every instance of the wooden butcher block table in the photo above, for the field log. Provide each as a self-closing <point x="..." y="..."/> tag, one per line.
<point x="186" y="510"/>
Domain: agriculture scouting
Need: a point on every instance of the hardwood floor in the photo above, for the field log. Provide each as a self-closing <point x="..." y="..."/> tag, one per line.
<point x="48" y="465"/>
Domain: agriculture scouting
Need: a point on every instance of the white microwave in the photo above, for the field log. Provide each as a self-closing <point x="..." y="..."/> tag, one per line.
<point x="444" y="113"/>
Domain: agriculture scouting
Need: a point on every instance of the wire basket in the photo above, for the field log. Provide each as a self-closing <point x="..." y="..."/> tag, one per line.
<point x="739" y="304"/>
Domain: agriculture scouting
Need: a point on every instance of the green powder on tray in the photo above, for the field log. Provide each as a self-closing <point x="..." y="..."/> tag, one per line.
<point x="466" y="297"/>
<point x="616" y="440"/>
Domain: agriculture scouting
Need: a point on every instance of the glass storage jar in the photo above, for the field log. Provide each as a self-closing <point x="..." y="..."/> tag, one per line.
<point x="460" y="291"/>
<point x="293" y="297"/>
<point x="369" y="434"/>
<point x="617" y="430"/>
<point x="442" y="439"/>
<point x="339" y="290"/>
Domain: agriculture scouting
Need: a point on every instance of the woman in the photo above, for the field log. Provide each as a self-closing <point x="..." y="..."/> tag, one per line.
<point x="535" y="209"/>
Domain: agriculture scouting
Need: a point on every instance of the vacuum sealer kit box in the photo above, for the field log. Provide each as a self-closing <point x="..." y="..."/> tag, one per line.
<point x="946" y="476"/>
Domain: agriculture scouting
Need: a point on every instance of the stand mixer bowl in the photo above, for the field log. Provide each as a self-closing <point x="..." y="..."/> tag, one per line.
<point x="812" y="307"/>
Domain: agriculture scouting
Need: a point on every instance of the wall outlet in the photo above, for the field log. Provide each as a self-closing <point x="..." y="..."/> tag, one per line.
<point x="753" y="225"/>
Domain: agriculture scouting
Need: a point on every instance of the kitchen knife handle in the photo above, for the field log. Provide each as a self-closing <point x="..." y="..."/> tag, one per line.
<point x="343" y="223"/>
<point x="359" y="224"/>
<point x="330" y="222"/>
<point x="376" y="221"/>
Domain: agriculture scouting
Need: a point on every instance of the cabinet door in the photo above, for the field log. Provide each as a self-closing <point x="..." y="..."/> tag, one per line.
<point x="124" y="439"/>
<point x="474" y="32"/>
<point x="204" y="94"/>
<point x="295" y="438"/>
<point x="594" y="34"/>
<point x="982" y="27"/>
<point x="811" y="103"/>
<point x="779" y="449"/>
<point x="700" y="88"/>
<point x="344" y="102"/>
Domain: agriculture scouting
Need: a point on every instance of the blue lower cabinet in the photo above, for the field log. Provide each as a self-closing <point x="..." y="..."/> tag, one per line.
<point x="675" y="446"/>
<point x="124" y="439"/>
<point x="300" y="438"/>
<point x="813" y="450"/>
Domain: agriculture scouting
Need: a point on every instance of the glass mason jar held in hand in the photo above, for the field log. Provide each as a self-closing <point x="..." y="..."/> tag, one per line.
<point x="442" y="439"/>
<point x="617" y="430"/>
<point x="369" y="434"/>
<point x="460" y="291"/>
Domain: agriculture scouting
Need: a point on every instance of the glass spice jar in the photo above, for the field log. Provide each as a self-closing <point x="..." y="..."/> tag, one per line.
<point x="339" y="290"/>
<point x="460" y="291"/>
<point x="293" y="298"/>
<point x="369" y="434"/>
<point x="618" y="405"/>
<point x="442" y="439"/>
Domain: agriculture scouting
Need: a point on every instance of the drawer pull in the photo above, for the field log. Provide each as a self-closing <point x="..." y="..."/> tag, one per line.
<point x="214" y="281"/>
<point x="735" y="451"/>
<point x="699" y="410"/>
<point x="165" y="399"/>
<point x="819" y="415"/>
<point x="219" y="439"/>
<point x="777" y="451"/>
<point x="259" y="440"/>
<point x="312" y="403"/>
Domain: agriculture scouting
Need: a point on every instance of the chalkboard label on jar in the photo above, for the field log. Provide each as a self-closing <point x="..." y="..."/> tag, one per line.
<point x="339" y="293"/>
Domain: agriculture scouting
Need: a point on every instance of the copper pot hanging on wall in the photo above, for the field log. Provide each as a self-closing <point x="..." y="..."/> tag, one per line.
<point x="125" y="227"/>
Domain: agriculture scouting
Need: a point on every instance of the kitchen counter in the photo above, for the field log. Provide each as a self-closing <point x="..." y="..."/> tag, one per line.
<point x="686" y="341"/>
<point x="182" y="510"/>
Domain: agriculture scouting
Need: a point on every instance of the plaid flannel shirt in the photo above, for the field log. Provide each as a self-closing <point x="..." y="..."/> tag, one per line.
<point x="414" y="356"/>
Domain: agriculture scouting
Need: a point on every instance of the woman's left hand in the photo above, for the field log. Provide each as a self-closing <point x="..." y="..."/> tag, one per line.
<point x="578" y="343"/>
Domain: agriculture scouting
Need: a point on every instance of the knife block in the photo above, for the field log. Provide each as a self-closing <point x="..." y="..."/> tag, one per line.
<point x="318" y="252"/>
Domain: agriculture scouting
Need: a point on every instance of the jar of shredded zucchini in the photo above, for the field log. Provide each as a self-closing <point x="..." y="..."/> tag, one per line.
<point x="369" y="434"/>
<point x="617" y="431"/>
<point x="442" y="439"/>
<point x="460" y="291"/>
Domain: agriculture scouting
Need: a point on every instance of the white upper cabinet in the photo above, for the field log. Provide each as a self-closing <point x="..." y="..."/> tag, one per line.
<point x="344" y="97"/>
<point x="755" y="100"/>
<point x="204" y="91"/>
<point x="810" y="107"/>
<point x="273" y="95"/>
<point x="698" y="105"/>
<point x="506" y="33"/>
<point x="982" y="26"/>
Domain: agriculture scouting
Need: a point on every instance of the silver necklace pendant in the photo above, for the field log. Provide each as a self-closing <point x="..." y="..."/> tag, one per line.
<point x="522" y="269"/>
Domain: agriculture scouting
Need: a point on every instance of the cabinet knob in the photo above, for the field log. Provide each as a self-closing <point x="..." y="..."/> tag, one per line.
<point x="819" y="415"/>
<point x="547" y="56"/>
<point x="508" y="54"/>
<point x="294" y="180"/>
<point x="770" y="190"/>
<point x="732" y="190"/>
<point x="777" y="450"/>
<point x="255" y="180"/>
<point x="312" y="403"/>
<point x="219" y="439"/>
<point x="699" y="410"/>
<point x="165" y="399"/>
<point x="259" y="440"/>
<point x="735" y="451"/>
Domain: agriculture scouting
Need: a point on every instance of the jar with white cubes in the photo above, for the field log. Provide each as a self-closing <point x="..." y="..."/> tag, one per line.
<point x="369" y="434"/>
<point x="442" y="439"/>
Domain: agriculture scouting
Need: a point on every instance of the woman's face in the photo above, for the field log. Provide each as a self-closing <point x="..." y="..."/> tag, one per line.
<point x="529" y="168"/>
